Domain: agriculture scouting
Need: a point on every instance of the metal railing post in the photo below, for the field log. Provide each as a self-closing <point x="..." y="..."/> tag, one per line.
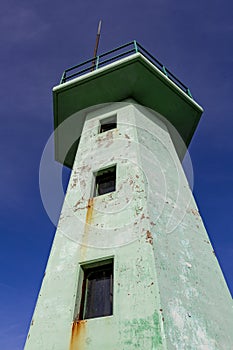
<point x="189" y="93"/>
<point x="164" y="71"/>
<point x="135" y="46"/>
<point x="63" y="78"/>
<point x="97" y="62"/>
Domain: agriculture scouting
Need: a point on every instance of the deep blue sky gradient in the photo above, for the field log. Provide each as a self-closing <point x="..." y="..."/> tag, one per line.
<point x="39" y="39"/>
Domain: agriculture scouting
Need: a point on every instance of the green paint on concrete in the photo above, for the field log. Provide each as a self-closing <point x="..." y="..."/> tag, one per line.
<point x="141" y="332"/>
<point x="157" y="339"/>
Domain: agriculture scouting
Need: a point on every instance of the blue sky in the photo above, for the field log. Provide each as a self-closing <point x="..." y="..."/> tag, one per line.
<point x="39" y="39"/>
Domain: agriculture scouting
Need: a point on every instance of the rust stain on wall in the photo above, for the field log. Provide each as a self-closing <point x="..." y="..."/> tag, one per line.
<point x="105" y="140"/>
<point x="149" y="237"/>
<point x="195" y="212"/>
<point x="78" y="335"/>
<point x="89" y="218"/>
<point x="89" y="211"/>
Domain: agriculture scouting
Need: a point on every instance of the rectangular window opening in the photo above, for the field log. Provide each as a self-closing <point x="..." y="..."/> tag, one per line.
<point x="97" y="291"/>
<point x="105" y="181"/>
<point x="108" y="123"/>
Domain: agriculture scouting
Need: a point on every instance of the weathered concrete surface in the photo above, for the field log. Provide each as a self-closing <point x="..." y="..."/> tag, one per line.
<point x="169" y="292"/>
<point x="196" y="303"/>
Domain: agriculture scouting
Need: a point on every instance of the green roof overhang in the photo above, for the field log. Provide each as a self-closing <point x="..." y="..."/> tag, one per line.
<point x="132" y="77"/>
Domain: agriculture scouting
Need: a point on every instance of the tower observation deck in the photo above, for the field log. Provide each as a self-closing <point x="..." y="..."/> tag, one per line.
<point x="128" y="71"/>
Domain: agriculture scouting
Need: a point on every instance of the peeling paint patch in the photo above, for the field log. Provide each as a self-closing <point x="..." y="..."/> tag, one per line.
<point x="149" y="237"/>
<point x="195" y="212"/>
<point x="77" y="205"/>
<point x="138" y="210"/>
<point x="105" y="140"/>
<point x="177" y="317"/>
<point x="188" y="330"/>
<point x="141" y="331"/>
<point x="188" y="265"/>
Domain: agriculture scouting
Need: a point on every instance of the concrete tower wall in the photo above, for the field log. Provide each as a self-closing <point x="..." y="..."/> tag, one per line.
<point x="195" y="300"/>
<point x="168" y="289"/>
<point x="115" y="225"/>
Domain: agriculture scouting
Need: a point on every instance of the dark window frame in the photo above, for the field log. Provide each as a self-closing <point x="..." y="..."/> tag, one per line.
<point x="108" y="123"/>
<point x="88" y="306"/>
<point x="105" y="181"/>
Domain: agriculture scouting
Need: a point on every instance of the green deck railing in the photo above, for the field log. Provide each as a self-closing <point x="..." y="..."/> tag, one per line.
<point x="114" y="55"/>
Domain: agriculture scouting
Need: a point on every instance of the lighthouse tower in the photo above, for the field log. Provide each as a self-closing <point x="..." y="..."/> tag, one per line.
<point x="131" y="266"/>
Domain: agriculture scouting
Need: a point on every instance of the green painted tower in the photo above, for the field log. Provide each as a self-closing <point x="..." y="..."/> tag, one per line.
<point x="131" y="266"/>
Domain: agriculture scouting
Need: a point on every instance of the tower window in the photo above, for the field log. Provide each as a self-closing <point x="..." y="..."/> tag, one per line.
<point x="108" y="123"/>
<point x="105" y="181"/>
<point x="97" y="291"/>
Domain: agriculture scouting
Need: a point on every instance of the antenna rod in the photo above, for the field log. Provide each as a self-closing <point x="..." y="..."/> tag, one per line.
<point x="96" y="44"/>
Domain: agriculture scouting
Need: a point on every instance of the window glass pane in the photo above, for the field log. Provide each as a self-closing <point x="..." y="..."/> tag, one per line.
<point x="105" y="181"/>
<point x="97" y="294"/>
<point x="108" y="123"/>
